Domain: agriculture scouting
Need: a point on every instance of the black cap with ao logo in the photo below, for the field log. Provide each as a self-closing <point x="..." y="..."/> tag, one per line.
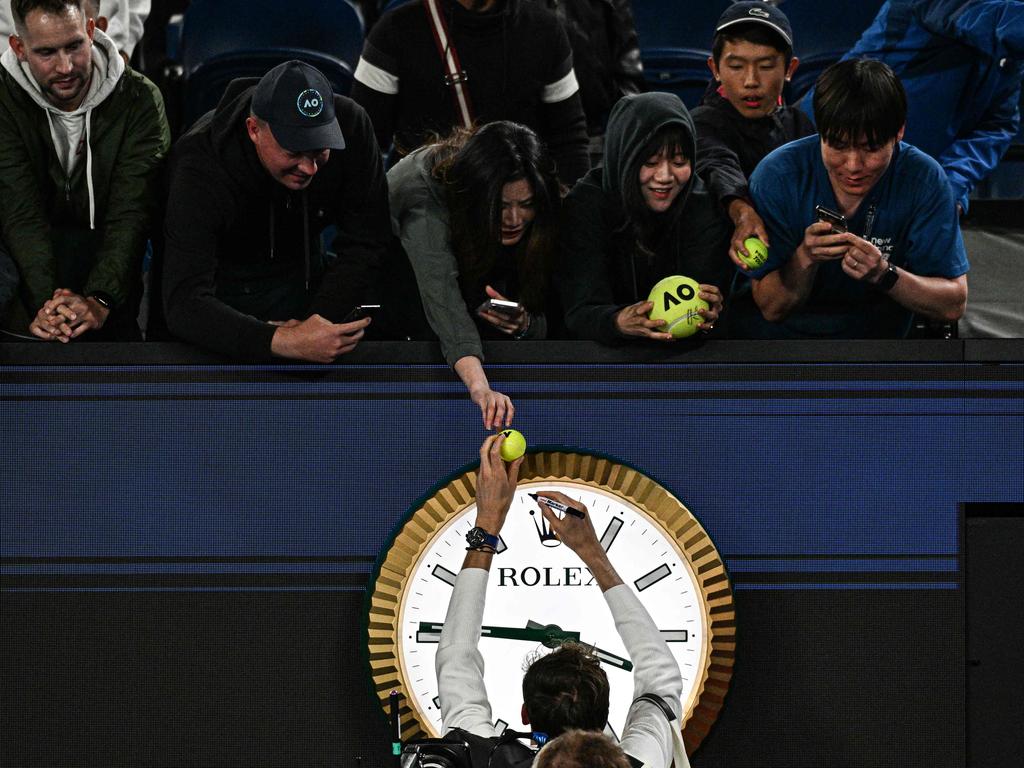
<point x="297" y="102"/>
<point x="757" y="12"/>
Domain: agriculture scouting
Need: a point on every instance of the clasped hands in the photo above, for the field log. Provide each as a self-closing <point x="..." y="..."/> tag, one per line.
<point x="67" y="315"/>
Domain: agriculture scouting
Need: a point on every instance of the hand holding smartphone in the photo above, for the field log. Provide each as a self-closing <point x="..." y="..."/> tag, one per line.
<point x="362" y="310"/>
<point x="501" y="307"/>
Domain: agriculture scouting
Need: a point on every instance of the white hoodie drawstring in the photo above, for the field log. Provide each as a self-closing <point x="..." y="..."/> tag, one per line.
<point x="88" y="168"/>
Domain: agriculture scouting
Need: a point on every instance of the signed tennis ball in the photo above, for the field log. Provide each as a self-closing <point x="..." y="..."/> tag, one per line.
<point x="758" y="253"/>
<point x="676" y="302"/>
<point x="513" y="446"/>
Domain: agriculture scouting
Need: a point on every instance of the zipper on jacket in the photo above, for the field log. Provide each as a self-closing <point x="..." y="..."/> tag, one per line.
<point x="67" y="190"/>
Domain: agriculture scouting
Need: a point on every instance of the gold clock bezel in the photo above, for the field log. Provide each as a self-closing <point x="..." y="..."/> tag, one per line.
<point x="627" y="483"/>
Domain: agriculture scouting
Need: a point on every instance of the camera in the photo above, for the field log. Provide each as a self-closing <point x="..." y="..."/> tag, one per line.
<point x="436" y="753"/>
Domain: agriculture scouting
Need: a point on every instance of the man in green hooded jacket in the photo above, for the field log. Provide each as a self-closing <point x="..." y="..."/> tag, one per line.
<point x="82" y="139"/>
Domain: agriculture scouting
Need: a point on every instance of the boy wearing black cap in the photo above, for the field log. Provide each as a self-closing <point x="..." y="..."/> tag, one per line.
<point x="743" y="118"/>
<point x="252" y="186"/>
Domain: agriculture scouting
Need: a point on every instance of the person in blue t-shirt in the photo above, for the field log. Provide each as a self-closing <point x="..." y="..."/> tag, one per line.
<point x="902" y="252"/>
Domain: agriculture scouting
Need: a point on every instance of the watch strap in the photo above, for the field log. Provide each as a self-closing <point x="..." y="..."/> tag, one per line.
<point x="888" y="279"/>
<point x="478" y="538"/>
<point x="105" y="300"/>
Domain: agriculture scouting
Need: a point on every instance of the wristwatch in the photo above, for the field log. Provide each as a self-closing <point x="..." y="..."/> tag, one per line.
<point x="888" y="279"/>
<point x="105" y="300"/>
<point x="478" y="538"/>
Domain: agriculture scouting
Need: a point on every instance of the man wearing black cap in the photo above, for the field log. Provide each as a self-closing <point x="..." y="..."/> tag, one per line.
<point x="252" y="186"/>
<point x="744" y="118"/>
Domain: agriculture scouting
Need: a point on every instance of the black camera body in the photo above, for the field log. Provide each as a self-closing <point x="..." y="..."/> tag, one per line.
<point x="436" y="753"/>
<point x="461" y="749"/>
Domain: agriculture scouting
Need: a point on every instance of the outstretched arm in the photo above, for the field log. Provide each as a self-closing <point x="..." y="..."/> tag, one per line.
<point x="460" y="667"/>
<point x="648" y="736"/>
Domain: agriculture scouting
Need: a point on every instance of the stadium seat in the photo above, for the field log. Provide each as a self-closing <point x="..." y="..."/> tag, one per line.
<point x="823" y="34"/>
<point x="682" y="71"/>
<point x="214" y="47"/>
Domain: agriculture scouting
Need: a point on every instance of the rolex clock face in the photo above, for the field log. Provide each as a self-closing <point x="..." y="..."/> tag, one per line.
<point x="539" y="592"/>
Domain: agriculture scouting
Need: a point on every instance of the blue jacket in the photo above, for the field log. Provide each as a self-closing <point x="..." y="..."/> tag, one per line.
<point x="961" y="63"/>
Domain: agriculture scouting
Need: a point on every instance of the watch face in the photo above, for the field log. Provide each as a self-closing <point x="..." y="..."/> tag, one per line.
<point x="539" y="592"/>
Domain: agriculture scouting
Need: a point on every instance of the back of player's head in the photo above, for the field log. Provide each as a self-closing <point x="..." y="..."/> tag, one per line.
<point x="760" y="23"/>
<point x="566" y="689"/>
<point x="859" y="100"/>
<point x="582" y="749"/>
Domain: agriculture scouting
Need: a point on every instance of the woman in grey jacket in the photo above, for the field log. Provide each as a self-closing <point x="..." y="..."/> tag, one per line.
<point x="477" y="215"/>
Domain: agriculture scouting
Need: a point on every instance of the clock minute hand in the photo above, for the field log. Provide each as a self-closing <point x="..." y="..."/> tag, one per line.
<point x="544" y="635"/>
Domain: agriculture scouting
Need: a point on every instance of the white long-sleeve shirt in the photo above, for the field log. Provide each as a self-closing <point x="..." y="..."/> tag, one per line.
<point x="647" y="736"/>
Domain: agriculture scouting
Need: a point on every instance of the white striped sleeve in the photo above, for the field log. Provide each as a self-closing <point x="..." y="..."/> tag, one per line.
<point x="560" y="90"/>
<point x="376" y="78"/>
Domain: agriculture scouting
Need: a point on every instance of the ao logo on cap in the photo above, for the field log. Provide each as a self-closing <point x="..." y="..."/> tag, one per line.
<point x="758" y="12"/>
<point x="310" y="102"/>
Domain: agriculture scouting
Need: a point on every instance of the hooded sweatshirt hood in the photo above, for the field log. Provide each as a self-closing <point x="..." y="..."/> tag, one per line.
<point x="70" y="131"/>
<point x="633" y="122"/>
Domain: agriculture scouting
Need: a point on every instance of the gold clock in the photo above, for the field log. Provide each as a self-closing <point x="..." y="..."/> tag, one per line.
<point x="655" y="543"/>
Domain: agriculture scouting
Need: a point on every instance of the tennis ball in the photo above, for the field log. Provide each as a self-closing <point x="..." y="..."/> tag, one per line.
<point x="513" y="446"/>
<point x="676" y="302"/>
<point x="758" y="253"/>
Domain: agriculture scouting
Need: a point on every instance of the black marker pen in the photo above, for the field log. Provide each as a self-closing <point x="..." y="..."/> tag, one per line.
<point x="557" y="505"/>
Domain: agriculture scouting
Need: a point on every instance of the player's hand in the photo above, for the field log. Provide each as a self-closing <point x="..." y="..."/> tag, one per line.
<point x="495" y="485"/>
<point x="634" y="321"/>
<point x="495" y="408"/>
<point x="510" y="324"/>
<point x="317" y="339"/>
<point x="746" y="223"/>
<point x="713" y="297"/>
<point x="863" y="260"/>
<point x="576" y="533"/>
<point x="819" y="244"/>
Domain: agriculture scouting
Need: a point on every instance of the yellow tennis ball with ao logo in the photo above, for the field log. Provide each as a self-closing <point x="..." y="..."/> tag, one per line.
<point x="676" y="301"/>
<point x="758" y="253"/>
<point x="513" y="446"/>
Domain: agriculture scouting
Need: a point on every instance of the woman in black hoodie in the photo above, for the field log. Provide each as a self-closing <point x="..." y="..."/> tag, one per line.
<point x="641" y="217"/>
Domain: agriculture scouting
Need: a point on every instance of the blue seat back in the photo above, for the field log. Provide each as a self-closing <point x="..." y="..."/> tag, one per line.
<point x="682" y="71"/>
<point x="225" y="39"/>
<point x="215" y="28"/>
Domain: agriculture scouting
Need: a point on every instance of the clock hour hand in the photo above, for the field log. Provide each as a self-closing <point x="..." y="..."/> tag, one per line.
<point x="602" y="655"/>
<point x="550" y="635"/>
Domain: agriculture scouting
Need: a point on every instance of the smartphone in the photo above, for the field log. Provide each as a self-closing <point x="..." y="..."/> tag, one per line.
<point x="837" y="220"/>
<point x="360" y="311"/>
<point x="502" y="307"/>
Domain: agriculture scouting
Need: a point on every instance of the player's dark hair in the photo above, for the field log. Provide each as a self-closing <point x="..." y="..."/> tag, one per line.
<point x="859" y="99"/>
<point x="22" y="8"/>
<point x="751" y="32"/>
<point x="474" y="167"/>
<point x="566" y="689"/>
<point x="582" y="749"/>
